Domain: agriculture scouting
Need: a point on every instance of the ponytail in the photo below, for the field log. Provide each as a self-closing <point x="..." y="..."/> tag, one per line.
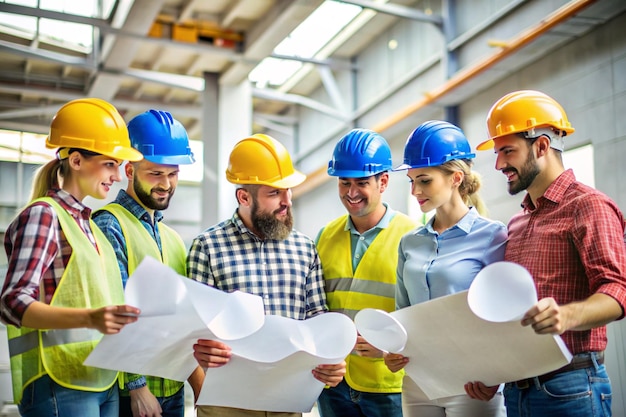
<point x="469" y="186"/>
<point x="49" y="176"/>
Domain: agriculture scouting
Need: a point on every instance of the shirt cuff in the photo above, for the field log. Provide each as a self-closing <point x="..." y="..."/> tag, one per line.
<point x="136" y="384"/>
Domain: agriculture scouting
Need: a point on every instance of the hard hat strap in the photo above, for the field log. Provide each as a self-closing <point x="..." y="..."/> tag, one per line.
<point x="555" y="136"/>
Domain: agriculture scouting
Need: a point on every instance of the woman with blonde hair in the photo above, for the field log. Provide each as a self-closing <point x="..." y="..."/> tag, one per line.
<point x="443" y="256"/>
<point x="63" y="288"/>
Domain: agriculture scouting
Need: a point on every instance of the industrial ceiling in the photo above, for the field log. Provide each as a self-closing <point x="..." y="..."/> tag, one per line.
<point x="144" y="40"/>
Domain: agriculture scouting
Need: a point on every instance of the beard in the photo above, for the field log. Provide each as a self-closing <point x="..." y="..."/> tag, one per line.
<point x="147" y="199"/>
<point x="269" y="225"/>
<point x="525" y="176"/>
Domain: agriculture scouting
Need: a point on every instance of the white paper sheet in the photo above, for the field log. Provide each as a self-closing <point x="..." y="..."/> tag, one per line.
<point x="270" y="370"/>
<point x="448" y="345"/>
<point x="502" y="291"/>
<point x="175" y="313"/>
<point x="273" y="356"/>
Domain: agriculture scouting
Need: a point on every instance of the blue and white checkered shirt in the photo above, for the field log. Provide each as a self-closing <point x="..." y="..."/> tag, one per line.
<point x="286" y="274"/>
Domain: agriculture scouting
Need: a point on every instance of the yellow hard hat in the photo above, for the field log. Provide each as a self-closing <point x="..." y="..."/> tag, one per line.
<point x="523" y="111"/>
<point x="94" y="125"/>
<point x="261" y="159"/>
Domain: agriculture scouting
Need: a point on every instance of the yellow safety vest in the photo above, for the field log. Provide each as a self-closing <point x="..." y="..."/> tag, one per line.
<point x="372" y="285"/>
<point x="141" y="244"/>
<point x="91" y="280"/>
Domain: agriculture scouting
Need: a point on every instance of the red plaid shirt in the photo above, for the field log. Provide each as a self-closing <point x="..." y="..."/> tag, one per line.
<point x="38" y="252"/>
<point x="572" y="243"/>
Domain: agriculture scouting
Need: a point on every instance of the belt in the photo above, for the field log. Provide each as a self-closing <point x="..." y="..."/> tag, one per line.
<point x="581" y="361"/>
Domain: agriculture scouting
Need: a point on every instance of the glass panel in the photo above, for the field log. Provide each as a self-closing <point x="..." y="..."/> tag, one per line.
<point x="581" y="161"/>
<point x="304" y="41"/>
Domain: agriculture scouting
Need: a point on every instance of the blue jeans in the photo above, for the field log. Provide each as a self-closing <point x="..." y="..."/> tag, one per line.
<point x="580" y="393"/>
<point x="172" y="406"/>
<point x="45" y="398"/>
<point x="343" y="401"/>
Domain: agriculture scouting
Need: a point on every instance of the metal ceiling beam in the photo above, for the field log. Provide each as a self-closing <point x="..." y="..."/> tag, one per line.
<point x="191" y="110"/>
<point x="29" y="112"/>
<point x="42" y="129"/>
<point x="142" y="75"/>
<point x="341" y="64"/>
<point x="301" y="100"/>
<point x="53" y="94"/>
<point x="230" y="54"/>
<point x="27" y="52"/>
<point x="396" y="10"/>
<point x="286" y="130"/>
<point x="332" y="88"/>
<point x="278" y="118"/>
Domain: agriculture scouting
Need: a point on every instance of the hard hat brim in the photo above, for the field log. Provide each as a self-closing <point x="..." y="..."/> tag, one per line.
<point x="123" y="153"/>
<point x="118" y="152"/>
<point x="486" y="145"/>
<point x="290" y="181"/>
<point x="403" y="167"/>
<point x="344" y="173"/>
<point x="171" y="160"/>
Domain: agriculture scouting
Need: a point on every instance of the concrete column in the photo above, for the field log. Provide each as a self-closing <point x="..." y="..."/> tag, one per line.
<point x="226" y="119"/>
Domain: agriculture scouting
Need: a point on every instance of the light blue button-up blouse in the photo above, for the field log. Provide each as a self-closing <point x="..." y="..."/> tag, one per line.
<point x="432" y="265"/>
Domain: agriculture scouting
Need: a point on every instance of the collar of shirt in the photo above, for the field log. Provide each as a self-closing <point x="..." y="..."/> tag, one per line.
<point x="554" y="192"/>
<point x="135" y="208"/>
<point x="382" y="224"/>
<point x="77" y="209"/>
<point x="464" y="225"/>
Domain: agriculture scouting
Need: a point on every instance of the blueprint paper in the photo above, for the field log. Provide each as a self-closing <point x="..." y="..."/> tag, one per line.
<point x="448" y="346"/>
<point x="273" y="356"/>
<point x="175" y="313"/>
<point x="270" y="370"/>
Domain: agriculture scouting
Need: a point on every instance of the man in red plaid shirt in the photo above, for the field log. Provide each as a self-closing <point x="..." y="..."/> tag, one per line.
<point x="570" y="237"/>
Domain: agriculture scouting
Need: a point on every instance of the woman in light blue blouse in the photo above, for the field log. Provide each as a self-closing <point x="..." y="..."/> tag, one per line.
<point x="444" y="256"/>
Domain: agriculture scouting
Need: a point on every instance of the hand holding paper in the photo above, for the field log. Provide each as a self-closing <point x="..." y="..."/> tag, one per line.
<point x="381" y="329"/>
<point x="175" y="312"/>
<point x="448" y="344"/>
<point x="272" y="358"/>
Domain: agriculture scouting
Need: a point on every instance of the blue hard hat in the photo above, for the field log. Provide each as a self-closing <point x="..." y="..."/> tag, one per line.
<point x="434" y="143"/>
<point x="160" y="138"/>
<point x="360" y="153"/>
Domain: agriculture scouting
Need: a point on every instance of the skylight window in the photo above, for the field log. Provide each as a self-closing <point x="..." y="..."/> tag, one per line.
<point x="24" y="147"/>
<point x="78" y="37"/>
<point x="305" y="41"/>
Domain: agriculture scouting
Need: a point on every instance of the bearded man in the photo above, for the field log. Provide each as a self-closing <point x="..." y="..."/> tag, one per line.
<point x="257" y="251"/>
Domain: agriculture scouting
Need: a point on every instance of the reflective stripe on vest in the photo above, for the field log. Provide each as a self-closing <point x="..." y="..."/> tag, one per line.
<point x="372" y="285"/>
<point x="28" y="341"/>
<point x="142" y="244"/>
<point x="91" y="280"/>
